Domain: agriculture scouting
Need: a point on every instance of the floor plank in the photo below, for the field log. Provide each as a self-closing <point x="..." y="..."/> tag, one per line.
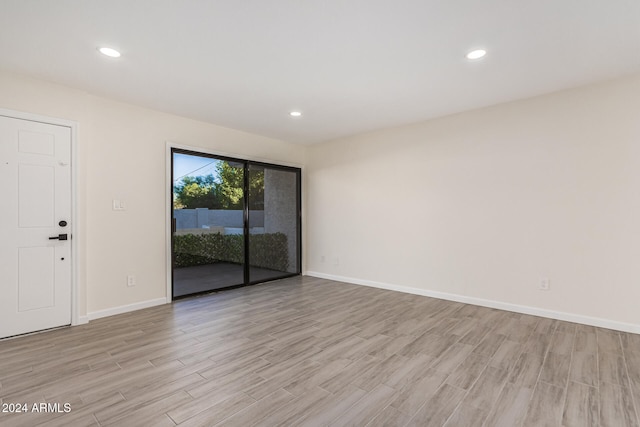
<point x="545" y="408"/>
<point x="437" y="410"/>
<point x="581" y="406"/>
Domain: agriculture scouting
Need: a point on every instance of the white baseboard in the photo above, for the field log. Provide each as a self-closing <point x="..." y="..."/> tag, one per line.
<point x="126" y="308"/>
<point x="82" y="320"/>
<point x="559" y="315"/>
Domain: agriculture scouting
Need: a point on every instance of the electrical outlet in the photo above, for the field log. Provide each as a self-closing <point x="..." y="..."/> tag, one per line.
<point x="545" y="284"/>
<point x="131" y="281"/>
<point x="336" y="261"/>
<point x="322" y="258"/>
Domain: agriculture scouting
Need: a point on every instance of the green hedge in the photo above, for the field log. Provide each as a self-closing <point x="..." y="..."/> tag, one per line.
<point x="265" y="250"/>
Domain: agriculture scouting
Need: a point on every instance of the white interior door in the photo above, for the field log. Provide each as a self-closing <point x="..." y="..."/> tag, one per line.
<point x="35" y="217"/>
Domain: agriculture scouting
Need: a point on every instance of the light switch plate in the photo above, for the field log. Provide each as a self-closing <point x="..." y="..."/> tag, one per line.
<point x="118" y="205"/>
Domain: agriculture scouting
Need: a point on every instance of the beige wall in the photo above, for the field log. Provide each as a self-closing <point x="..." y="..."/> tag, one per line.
<point x="121" y="155"/>
<point x="483" y="204"/>
<point x="480" y="205"/>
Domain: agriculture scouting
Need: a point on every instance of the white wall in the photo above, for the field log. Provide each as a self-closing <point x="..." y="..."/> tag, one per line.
<point x="485" y="203"/>
<point x="121" y="155"/>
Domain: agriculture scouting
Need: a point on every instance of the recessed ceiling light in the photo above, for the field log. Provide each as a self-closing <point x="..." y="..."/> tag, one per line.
<point x="476" y="54"/>
<point x="295" y="114"/>
<point x="109" y="52"/>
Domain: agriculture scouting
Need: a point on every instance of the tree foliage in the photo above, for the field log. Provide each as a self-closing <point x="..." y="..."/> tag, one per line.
<point x="222" y="190"/>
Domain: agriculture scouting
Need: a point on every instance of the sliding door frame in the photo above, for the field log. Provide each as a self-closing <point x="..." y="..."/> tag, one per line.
<point x="172" y="148"/>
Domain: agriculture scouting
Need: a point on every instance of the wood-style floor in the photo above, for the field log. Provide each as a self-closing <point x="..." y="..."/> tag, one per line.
<point x="312" y="352"/>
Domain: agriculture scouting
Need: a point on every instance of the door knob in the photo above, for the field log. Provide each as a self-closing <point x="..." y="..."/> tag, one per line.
<point x="59" y="237"/>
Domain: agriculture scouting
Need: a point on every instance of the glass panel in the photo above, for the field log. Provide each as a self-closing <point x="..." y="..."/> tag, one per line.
<point x="273" y="223"/>
<point x="208" y="241"/>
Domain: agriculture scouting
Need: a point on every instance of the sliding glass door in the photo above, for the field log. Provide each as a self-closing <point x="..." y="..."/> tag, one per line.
<point x="235" y="222"/>
<point x="208" y="217"/>
<point x="273" y="222"/>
